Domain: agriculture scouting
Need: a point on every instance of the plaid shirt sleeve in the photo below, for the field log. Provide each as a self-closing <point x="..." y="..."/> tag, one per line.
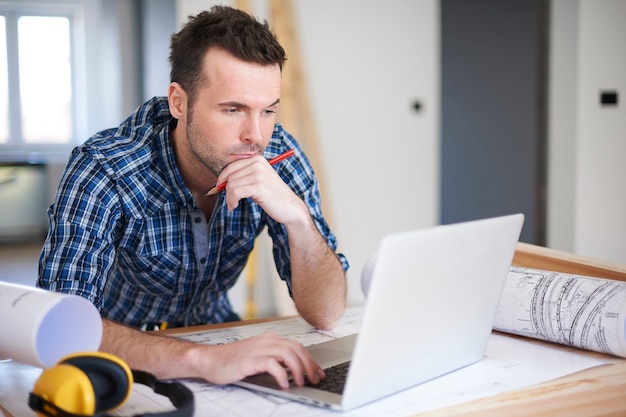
<point x="78" y="255"/>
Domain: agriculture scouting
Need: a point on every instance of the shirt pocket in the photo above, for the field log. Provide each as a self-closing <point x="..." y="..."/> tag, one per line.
<point x="231" y="254"/>
<point x="149" y="259"/>
<point x="235" y="251"/>
<point x="153" y="274"/>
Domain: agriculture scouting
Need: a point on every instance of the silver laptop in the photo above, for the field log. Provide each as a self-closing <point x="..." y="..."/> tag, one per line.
<point x="430" y="307"/>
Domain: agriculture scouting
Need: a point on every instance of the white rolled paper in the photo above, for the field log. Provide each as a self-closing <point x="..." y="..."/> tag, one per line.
<point x="366" y="273"/>
<point x="39" y="327"/>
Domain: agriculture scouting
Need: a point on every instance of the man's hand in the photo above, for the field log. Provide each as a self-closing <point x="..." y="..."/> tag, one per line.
<point x="264" y="353"/>
<point x="255" y="178"/>
<point x="169" y="357"/>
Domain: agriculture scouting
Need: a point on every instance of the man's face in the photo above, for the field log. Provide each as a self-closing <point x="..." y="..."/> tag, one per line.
<point x="234" y="113"/>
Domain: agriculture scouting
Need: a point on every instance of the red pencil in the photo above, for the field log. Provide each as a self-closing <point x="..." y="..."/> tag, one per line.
<point x="272" y="161"/>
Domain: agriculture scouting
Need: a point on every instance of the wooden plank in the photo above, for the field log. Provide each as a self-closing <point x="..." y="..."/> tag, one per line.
<point x="209" y="327"/>
<point x="244" y="5"/>
<point x="295" y="112"/>
<point x="538" y="257"/>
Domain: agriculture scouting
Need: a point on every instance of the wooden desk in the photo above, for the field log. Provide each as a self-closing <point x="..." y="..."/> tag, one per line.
<point x="599" y="391"/>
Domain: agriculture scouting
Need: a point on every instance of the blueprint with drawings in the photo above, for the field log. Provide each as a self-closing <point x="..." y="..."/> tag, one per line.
<point x="293" y="328"/>
<point x="584" y="312"/>
<point x="509" y="364"/>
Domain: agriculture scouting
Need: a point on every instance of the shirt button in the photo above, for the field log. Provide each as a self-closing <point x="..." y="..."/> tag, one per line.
<point x="197" y="219"/>
<point x="203" y="261"/>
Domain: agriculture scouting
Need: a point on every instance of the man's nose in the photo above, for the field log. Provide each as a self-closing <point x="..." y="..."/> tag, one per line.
<point x="252" y="132"/>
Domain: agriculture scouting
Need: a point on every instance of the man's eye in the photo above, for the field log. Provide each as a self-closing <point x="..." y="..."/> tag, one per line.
<point x="269" y="112"/>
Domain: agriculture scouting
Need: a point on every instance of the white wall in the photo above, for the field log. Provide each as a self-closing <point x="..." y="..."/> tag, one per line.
<point x="561" y="129"/>
<point x="587" y="173"/>
<point x="365" y="64"/>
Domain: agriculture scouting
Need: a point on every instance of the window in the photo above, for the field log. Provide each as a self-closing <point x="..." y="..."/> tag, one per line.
<point x="4" y="84"/>
<point x="37" y="72"/>
<point x="45" y="79"/>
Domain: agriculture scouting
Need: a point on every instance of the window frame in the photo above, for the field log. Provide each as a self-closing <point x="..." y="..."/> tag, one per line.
<point x="16" y="147"/>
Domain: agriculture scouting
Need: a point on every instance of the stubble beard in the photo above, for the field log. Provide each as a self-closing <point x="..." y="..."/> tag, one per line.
<point x="203" y="151"/>
<point x="208" y="155"/>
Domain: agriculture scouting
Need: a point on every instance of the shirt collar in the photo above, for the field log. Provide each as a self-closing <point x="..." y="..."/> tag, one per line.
<point x="167" y="157"/>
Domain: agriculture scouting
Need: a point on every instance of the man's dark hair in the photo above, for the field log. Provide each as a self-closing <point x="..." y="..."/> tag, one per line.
<point x="230" y="29"/>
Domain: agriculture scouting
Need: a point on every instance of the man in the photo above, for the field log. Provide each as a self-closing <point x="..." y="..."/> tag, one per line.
<point x="132" y="228"/>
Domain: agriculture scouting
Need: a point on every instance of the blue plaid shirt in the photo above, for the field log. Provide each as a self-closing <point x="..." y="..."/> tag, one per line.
<point x="126" y="234"/>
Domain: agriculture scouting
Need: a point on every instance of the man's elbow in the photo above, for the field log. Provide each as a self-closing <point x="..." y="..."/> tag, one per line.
<point x="325" y="319"/>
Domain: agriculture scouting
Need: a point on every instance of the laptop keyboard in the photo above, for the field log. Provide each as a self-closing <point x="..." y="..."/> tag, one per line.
<point x="335" y="378"/>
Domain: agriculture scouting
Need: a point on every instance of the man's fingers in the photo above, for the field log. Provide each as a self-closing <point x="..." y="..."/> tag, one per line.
<point x="269" y="353"/>
<point x="294" y="357"/>
<point x="278" y="372"/>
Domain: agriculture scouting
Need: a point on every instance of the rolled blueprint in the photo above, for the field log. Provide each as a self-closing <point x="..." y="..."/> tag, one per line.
<point x="580" y="311"/>
<point x="39" y="327"/>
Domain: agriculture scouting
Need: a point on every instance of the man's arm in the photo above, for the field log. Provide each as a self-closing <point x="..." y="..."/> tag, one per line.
<point x="317" y="276"/>
<point x="318" y="281"/>
<point x="169" y="357"/>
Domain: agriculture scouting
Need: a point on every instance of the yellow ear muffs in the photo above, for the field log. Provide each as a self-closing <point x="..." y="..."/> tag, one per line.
<point x="111" y="378"/>
<point x="65" y="387"/>
<point x="91" y="383"/>
<point x="83" y="384"/>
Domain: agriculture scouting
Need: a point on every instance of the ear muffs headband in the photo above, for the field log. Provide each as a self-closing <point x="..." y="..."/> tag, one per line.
<point x="91" y="383"/>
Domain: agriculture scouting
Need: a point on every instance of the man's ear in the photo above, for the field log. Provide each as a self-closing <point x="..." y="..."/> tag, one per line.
<point x="177" y="99"/>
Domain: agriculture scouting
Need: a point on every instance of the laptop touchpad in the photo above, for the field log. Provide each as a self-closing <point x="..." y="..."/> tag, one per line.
<point x="333" y="352"/>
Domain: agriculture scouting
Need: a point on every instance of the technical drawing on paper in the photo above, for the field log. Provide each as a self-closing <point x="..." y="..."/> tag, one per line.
<point x="509" y="364"/>
<point x="294" y="329"/>
<point x="584" y="312"/>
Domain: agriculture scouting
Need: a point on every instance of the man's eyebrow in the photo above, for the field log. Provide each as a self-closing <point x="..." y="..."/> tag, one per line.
<point x="234" y="104"/>
<point x="244" y="106"/>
